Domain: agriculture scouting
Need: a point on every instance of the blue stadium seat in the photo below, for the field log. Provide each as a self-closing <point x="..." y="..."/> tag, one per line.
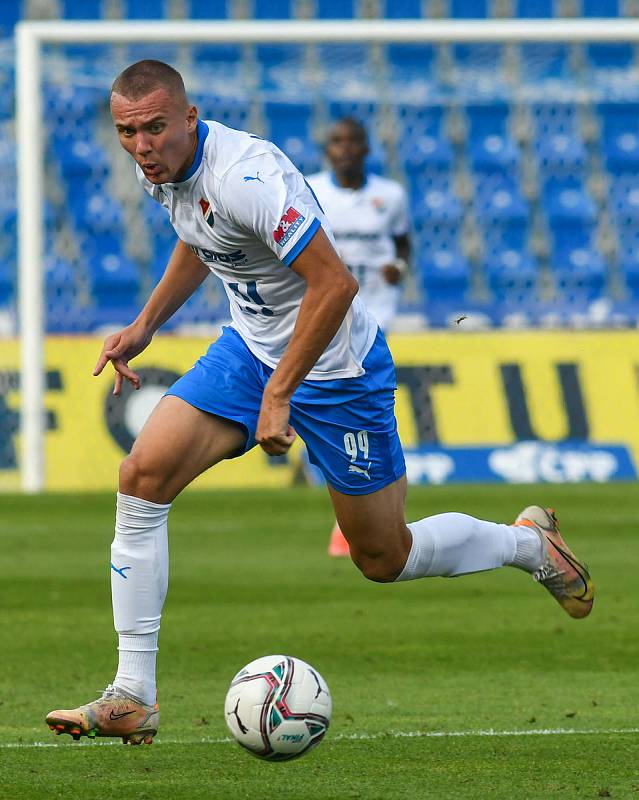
<point x="540" y="62"/>
<point x="226" y="110"/>
<point x="566" y="200"/>
<point x="610" y="56"/>
<point x="81" y="160"/>
<point x="282" y="68"/>
<point x="468" y="9"/>
<point x="487" y="119"/>
<point x="286" y="119"/>
<point x="411" y="63"/>
<point x="600" y="8"/>
<point x="494" y="153"/>
<point x="114" y="279"/>
<point x="10" y="13"/>
<point x="335" y="9"/>
<point x="560" y="154"/>
<point x="572" y="216"/>
<point x="272" y="9"/>
<point x="580" y="274"/>
<point x="491" y="148"/>
<point x="417" y="119"/>
<point x="100" y="218"/>
<point x="553" y="116"/>
<point x="435" y="210"/>
<point x="445" y="276"/>
<point x="289" y="127"/>
<point x="7" y="282"/>
<point x="62" y="103"/>
<point x="82" y="9"/>
<point x="621" y="154"/>
<point x="162" y="234"/>
<point x="623" y="199"/>
<point x="620" y="134"/>
<point x="512" y="276"/>
<point x="345" y="68"/>
<point x="471" y="59"/>
<point x="437" y="222"/>
<point x="502" y="214"/>
<point x="209" y="9"/>
<point x="535" y="9"/>
<point x="427" y="164"/>
<point x="401" y="9"/>
<point x="220" y="66"/>
<point x="144" y="9"/>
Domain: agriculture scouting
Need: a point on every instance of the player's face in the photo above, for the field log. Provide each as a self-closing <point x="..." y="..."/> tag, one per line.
<point x="346" y="149"/>
<point x="158" y="132"/>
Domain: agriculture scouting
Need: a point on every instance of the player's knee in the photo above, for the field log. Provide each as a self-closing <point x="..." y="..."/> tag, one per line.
<point x="140" y="478"/>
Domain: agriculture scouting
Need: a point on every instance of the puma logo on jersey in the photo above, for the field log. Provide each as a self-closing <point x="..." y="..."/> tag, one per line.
<point x="360" y="470"/>
<point x="248" y="178"/>
<point x="207" y="211"/>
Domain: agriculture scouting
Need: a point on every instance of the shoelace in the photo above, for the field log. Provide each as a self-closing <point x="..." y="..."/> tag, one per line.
<point x="110" y="691"/>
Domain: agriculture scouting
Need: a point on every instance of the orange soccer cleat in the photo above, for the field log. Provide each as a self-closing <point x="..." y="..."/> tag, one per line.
<point x="113" y="714"/>
<point x="566" y="578"/>
<point x="338" y="546"/>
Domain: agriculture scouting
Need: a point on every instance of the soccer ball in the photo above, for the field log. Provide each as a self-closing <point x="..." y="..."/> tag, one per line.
<point x="278" y="707"/>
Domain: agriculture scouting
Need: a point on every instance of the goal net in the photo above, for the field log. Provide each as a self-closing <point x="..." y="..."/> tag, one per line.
<point x="517" y="142"/>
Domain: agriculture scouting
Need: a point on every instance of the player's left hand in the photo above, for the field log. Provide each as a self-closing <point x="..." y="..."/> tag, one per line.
<point x="392" y="274"/>
<point x="274" y="434"/>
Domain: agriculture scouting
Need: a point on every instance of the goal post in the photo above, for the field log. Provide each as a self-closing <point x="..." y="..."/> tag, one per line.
<point x="30" y="38"/>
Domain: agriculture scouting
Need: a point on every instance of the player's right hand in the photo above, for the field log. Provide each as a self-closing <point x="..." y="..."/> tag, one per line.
<point x="119" y="348"/>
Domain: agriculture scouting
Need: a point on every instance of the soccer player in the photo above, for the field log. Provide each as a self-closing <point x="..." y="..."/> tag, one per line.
<point x="368" y="216"/>
<point x="302" y="356"/>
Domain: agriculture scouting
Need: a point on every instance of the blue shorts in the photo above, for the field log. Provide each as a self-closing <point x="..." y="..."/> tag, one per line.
<point x="348" y="425"/>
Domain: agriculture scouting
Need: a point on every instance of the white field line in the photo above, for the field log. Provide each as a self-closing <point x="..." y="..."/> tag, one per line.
<point x="340" y="737"/>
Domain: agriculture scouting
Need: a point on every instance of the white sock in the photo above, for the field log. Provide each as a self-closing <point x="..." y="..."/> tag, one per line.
<point x="530" y="551"/>
<point x="136" y="666"/>
<point x="456" y="544"/>
<point x="139" y="581"/>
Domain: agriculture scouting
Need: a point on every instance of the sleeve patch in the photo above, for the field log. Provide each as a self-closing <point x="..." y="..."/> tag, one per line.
<point x="288" y="224"/>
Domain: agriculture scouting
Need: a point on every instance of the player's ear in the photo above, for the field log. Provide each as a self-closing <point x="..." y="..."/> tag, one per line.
<point x="191" y="119"/>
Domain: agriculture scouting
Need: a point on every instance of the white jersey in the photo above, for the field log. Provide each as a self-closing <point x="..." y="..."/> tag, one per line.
<point x="247" y="213"/>
<point x="364" y="222"/>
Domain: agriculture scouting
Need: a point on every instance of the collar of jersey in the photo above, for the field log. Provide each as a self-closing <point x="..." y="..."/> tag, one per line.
<point x="335" y="183"/>
<point x="202" y="133"/>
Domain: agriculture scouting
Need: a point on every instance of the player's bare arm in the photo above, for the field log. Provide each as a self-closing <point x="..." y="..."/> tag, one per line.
<point x="394" y="273"/>
<point x="329" y="294"/>
<point x="183" y="275"/>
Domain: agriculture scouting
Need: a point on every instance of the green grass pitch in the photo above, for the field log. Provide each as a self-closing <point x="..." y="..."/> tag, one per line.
<point x="249" y="577"/>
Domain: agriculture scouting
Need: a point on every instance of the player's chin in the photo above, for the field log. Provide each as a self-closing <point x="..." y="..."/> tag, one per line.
<point x="156" y="177"/>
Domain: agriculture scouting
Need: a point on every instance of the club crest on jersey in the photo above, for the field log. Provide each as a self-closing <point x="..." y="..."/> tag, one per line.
<point x="207" y="211"/>
<point x="289" y="223"/>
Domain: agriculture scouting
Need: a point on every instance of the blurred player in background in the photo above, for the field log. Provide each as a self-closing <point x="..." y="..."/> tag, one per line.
<point x="301" y="351"/>
<point x="368" y="215"/>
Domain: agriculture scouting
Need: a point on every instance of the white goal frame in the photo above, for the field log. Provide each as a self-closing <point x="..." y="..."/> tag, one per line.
<point x="30" y="36"/>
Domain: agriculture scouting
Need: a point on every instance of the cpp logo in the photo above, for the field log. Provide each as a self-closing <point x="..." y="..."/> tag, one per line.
<point x="533" y="462"/>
